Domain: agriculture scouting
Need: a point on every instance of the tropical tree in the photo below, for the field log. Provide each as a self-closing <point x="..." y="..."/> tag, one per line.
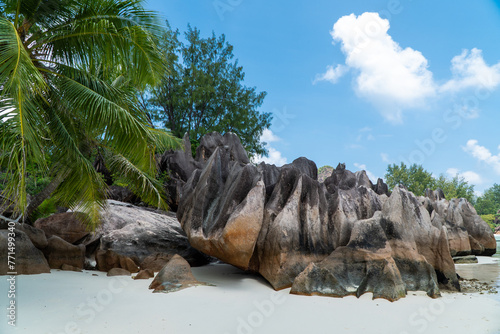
<point x="415" y="178"/>
<point x="203" y="91"/>
<point x="489" y="202"/>
<point x="69" y="72"/>
<point x="456" y="187"/>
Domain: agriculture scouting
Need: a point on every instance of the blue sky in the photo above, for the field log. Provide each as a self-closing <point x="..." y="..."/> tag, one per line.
<point x="368" y="83"/>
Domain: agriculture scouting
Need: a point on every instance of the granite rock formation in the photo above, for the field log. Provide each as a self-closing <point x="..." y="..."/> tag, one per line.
<point x="342" y="236"/>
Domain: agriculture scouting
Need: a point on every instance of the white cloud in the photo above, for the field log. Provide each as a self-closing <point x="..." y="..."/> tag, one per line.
<point x="395" y="78"/>
<point x="390" y="76"/>
<point x="469" y="176"/>
<point x="332" y="74"/>
<point x="268" y="137"/>
<point x="363" y="167"/>
<point x="482" y="154"/>
<point x="469" y="70"/>
<point x="275" y="157"/>
<point x="385" y="158"/>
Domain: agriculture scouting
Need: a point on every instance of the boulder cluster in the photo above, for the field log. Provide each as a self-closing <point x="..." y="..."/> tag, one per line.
<point x="343" y="236"/>
<point x="338" y="236"/>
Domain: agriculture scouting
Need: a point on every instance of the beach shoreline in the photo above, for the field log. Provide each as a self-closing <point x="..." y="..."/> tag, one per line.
<point x="91" y="302"/>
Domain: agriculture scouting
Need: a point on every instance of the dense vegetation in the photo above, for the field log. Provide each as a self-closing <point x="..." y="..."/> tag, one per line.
<point x="202" y="91"/>
<point x="83" y="88"/>
<point x="69" y="71"/>
<point x="416" y="179"/>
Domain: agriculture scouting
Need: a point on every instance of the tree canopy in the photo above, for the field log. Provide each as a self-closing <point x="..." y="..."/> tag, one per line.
<point x="416" y="179"/>
<point x="489" y="202"/>
<point x="69" y="71"/>
<point x="202" y="91"/>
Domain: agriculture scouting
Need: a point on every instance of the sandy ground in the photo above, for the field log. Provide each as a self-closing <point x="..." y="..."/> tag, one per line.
<point x="70" y="302"/>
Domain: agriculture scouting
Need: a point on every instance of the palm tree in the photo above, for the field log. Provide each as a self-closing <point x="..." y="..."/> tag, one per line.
<point x="69" y="73"/>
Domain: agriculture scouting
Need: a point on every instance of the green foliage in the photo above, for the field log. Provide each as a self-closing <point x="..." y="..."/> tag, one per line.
<point x="45" y="209"/>
<point x="456" y="187"/>
<point x="202" y="91"/>
<point x="325" y="167"/>
<point x="489" y="202"/>
<point x="490" y="220"/>
<point x="415" y="178"/>
<point x="69" y="73"/>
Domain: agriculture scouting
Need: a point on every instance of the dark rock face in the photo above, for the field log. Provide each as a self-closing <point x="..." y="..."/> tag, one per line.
<point x="175" y="276"/>
<point x="28" y="259"/>
<point x="338" y="237"/>
<point x="66" y="226"/>
<point x="59" y="252"/>
<point x="138" y="233"/>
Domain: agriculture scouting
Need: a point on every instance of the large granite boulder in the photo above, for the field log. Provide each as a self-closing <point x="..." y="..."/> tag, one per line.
<point x="174" y="276"/>
<point x="37" y="236"/>
<point x="342" y="236"/>
<point x="59" y="252"/>
<point x="67" y="226"/>
<point x="28" y="259"/>
<point x="138" y="232"/>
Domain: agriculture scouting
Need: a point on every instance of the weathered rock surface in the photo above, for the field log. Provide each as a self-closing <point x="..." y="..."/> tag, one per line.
<point x="28" y="259"/>
<point x="294" y="230"/>
<point x="176" y="275"/>
<point x="144" y="274"/>
<point x="467" y="232"/>
<point x="59" y="252"/>
<point x="395" y="251"/>
<point x="155" y="262"/>
<point x="139" y="232"/>
<point x="107" y="260"/>
<point x="67" y="226"/>
<point x="118" y="272"/>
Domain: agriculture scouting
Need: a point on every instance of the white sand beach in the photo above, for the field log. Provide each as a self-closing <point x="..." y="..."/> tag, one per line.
<point x="71" y="302"/>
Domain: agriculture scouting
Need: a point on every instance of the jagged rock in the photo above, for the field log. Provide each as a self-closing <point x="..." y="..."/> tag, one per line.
<point x="222" y="207"/>
<point x="144" y="274"/>
<point x="175" y="276"/>
<point x="229" y="142"/>
<point x="395" y="251"/>
<point x="118" y="272"/>
<point x="67" y="226"/>
<point x="139" y="232"/>
<point x="27" y="258"/>
<point x="284" y="224"/>
<point x="381" y="188"/>
<point x="59" y="252"/>
<point x="462" y="223"/>
<point x="155" y="262"/>
<point x="304" y="166"/>
<point x="107" y="260"/>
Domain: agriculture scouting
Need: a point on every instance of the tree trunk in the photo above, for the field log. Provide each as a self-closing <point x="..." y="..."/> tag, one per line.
<point x="42" y="196"/>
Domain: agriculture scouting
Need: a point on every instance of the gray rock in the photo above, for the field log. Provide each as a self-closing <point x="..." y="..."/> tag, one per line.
<point x="28" y="259"/>
<point x="137" y="232"/>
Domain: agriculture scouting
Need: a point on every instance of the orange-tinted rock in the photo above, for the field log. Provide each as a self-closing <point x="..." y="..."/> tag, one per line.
<point x="176" y="275"/>
<point x="107" y="260"/>
<point x="118" y="272"/>
<point x="144" y="274"/>
<point x="155" y="262"/>
<point x="67" y="226"/>
<point x="59" y="252"/>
